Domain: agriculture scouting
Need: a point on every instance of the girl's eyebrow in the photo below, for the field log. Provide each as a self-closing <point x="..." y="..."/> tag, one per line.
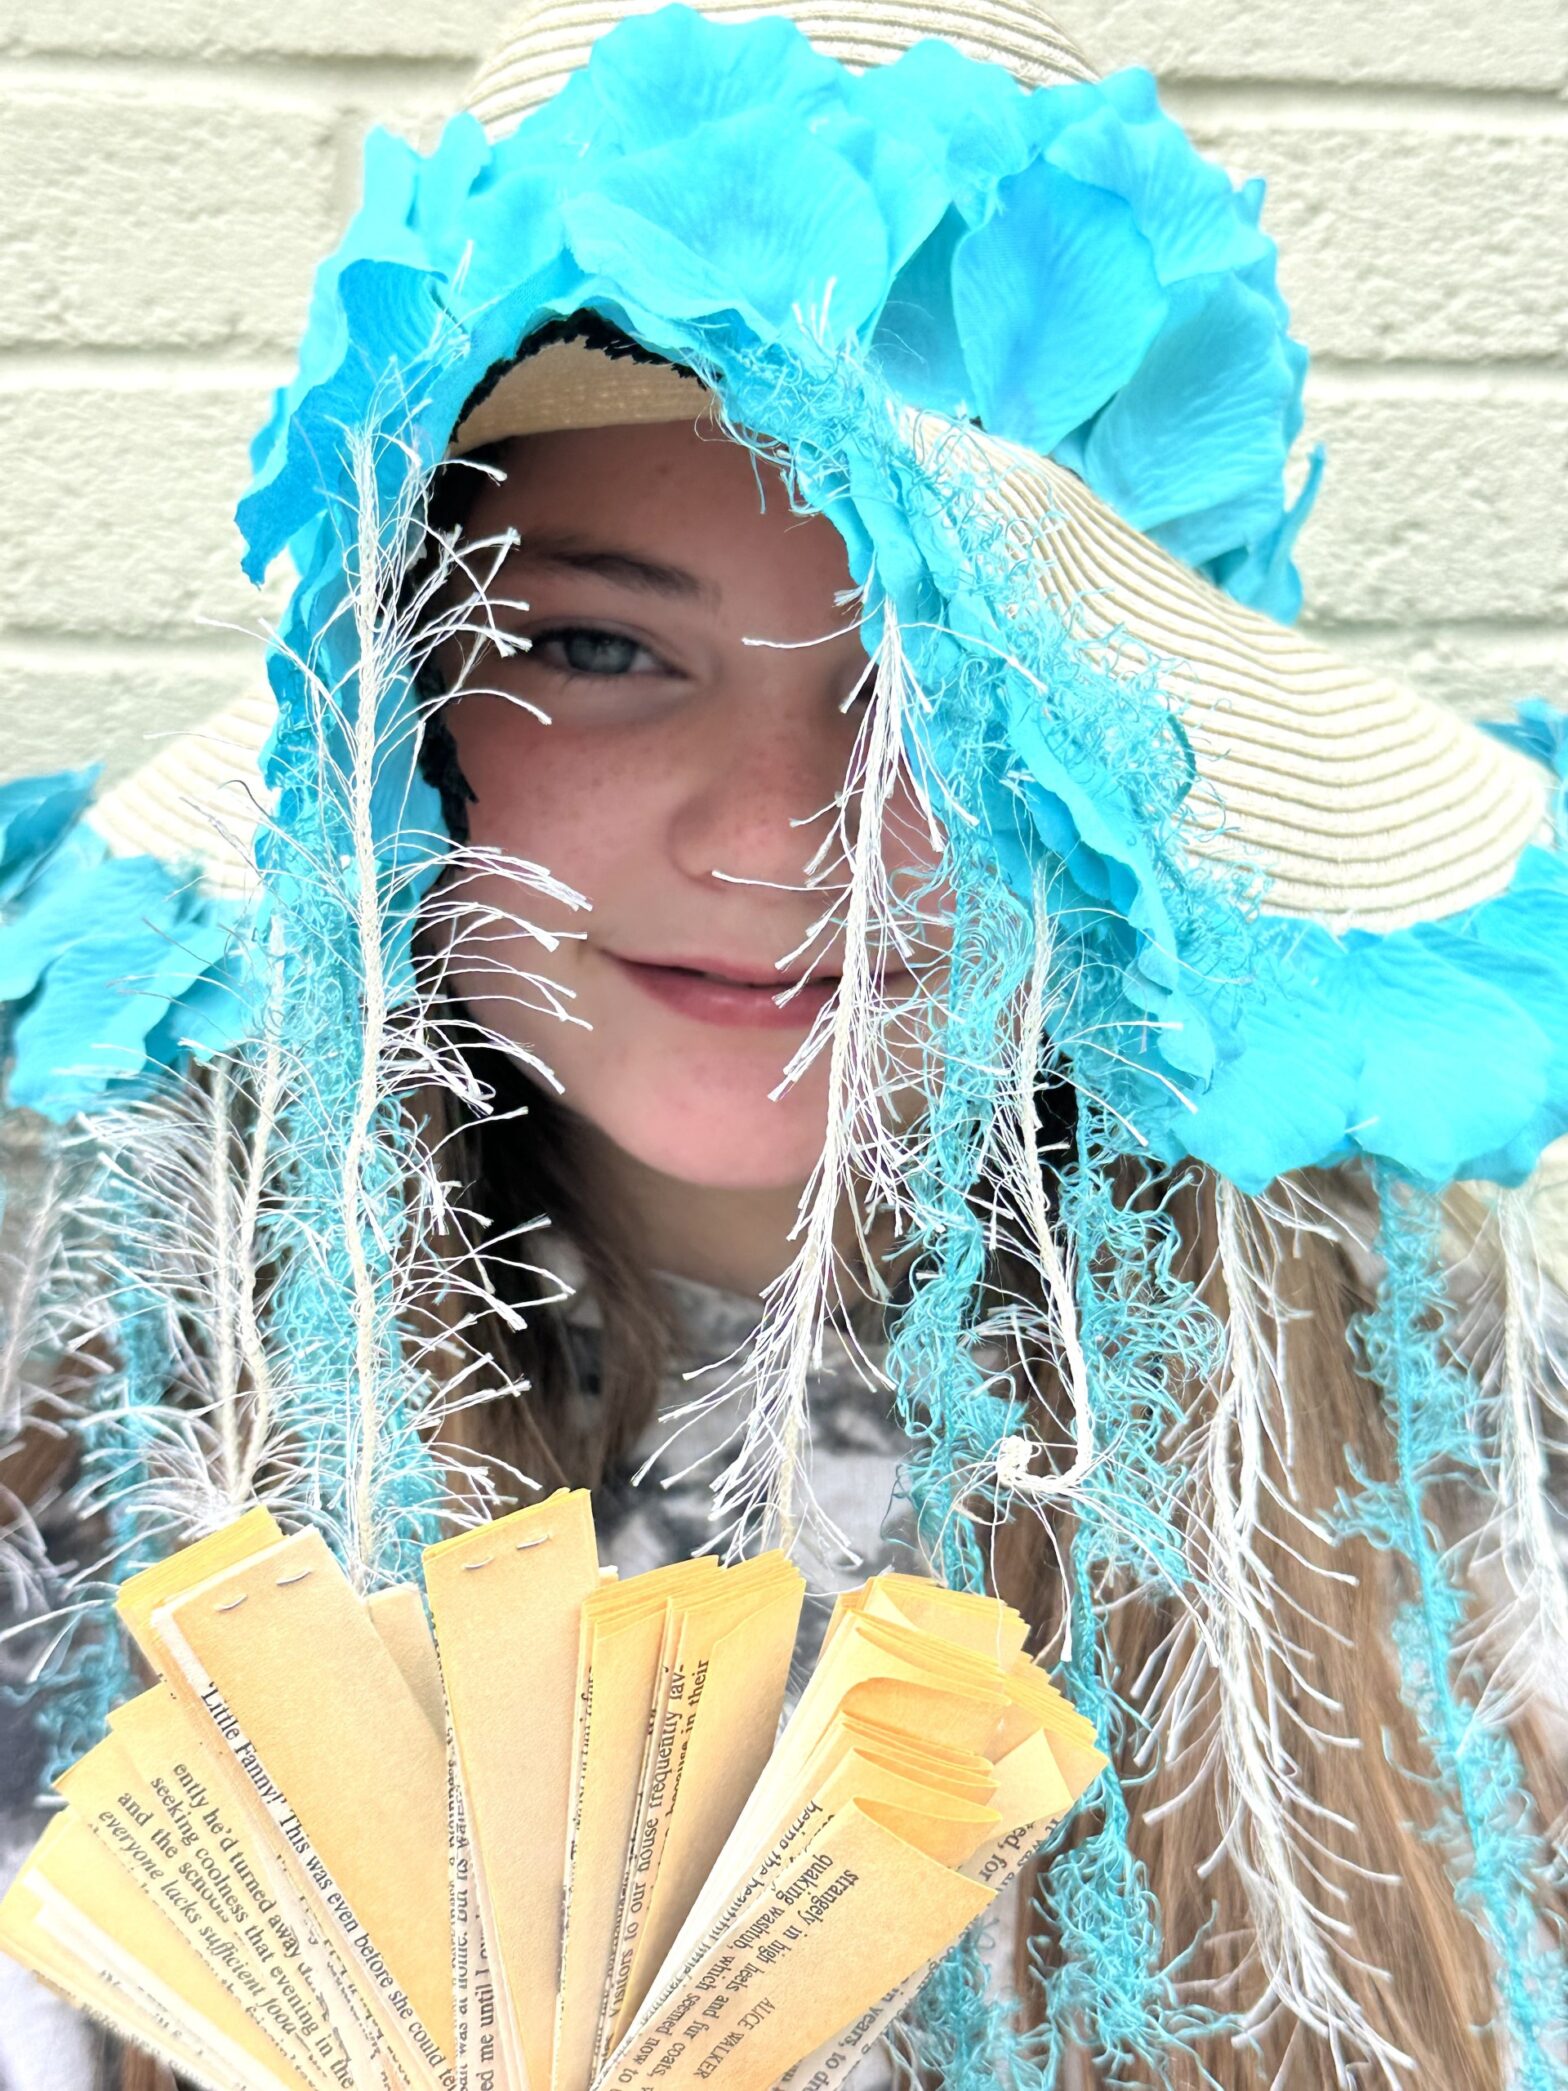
<point x="612" y="563"/>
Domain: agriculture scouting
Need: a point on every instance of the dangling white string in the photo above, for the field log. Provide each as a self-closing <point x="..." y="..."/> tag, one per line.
<point x="1024" y="1180"/>
<point x="1264" y="1698"/>
<point x="764" y="1492"/>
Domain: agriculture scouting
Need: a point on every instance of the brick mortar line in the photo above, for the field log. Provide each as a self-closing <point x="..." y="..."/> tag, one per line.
<point x="1335" y="380"/>
<point x="271" y="77"/>
<point x="41" y="648"/>
<point x="348" y="164"/>
<point x="1330" y="104"/>
<point x="269" y="83"/>
<point x="80" y="367"/>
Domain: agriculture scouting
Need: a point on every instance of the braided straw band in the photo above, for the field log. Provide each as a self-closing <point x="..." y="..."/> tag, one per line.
<point x="1365" y="805"/>
<point x="569" y="385"/>
<point x="551" y="41"/>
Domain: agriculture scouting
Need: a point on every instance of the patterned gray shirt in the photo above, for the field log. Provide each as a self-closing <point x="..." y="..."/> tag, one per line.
<point x="857" y="1445"/>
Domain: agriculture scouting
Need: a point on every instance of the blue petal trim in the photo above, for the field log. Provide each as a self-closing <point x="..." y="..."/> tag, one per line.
<point x="1540" y="729"/>
<point x="1367" y="1044"/>
<point x="111" y="968"/>
<point x="36" y="814"/>
<point x="1059" y="247"/>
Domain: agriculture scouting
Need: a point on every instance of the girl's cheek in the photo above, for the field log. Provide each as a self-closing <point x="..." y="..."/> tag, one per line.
<point x="578" y="803"/>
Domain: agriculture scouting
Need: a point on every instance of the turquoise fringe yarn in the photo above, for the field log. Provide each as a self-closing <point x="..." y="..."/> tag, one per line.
<point x="1109" y="1985"/>
<point x="960" y="2029"/>
<point x="1485" y="1819"/>
<point x="351" y="1396"/>
<point x="943" y="1403"/>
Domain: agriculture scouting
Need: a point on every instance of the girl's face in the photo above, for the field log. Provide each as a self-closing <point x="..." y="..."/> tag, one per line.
<point x="683" y="783"/>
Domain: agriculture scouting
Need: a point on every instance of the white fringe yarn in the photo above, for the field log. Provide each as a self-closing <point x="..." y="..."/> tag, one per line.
<point x="1291" y="1878"/>
<point x="203" y="1163"/>
<point x="33" y="1295"/>
<point x="1511" y="1332"/>
<point x="764" y="1493"/>
<point x="417" y="1296"/>
<point x="1531" y="1421"/>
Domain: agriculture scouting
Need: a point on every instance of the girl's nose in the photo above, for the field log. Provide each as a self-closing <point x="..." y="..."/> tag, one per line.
<point x="768" y="765"/>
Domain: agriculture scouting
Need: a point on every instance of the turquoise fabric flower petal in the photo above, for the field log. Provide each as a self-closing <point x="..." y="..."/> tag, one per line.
<point x="763" y="222"/>
<point x="936" y="138"/>
<point x="35" y="814"/>
<point x="975" y="121"/>
<point x="1263" y="574"/>
<point x="210" y="1016"/>
<point x="384" y="312"/>
<point x="31" y="934"/>
<point x="1185" y="207"/>
<point x="1240" y="527"/>
<point x="1539" y="729"/>
<point x="899" y="170"/>
<point x="1041" y="364"/>
<point x="380" y="228"/>
<point x="1282" y="1097"/>
<point x="455" y="171"/>
<point x="96" y="969"/>
<point x="656" y="79"/>
<point x="1418" y="1089"/>
<point x="1198" y="426"/>
<point x="1527" y="930"/>
<point x="1369" y="1044"/>
<point x="916" y="346"/>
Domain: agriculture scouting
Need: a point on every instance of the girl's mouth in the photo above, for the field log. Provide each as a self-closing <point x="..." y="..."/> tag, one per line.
<point x="721" y="994"/>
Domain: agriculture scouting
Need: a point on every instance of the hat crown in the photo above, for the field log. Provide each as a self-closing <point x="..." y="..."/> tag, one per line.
<point x="551" y="39"/>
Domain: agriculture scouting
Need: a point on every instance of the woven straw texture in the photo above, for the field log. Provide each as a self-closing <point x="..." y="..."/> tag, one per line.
<point x="549" y="42"/>
<point x="1363" y="804"/>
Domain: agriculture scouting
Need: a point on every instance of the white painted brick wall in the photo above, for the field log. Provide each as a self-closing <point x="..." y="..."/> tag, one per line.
<point x="170" y="170"/>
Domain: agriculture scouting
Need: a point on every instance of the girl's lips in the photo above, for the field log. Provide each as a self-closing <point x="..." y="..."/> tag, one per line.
<point x="730" y="1002"/>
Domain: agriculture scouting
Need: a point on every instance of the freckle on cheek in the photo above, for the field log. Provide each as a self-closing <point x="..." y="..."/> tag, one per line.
<point x="562" y="804"/>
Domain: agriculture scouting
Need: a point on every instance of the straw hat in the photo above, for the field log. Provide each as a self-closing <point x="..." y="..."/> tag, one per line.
<point x="1366" y="805"/>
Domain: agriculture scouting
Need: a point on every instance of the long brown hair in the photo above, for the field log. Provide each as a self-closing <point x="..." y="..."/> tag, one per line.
<point x="1432" y="2000"/>
<point x="1421" y="1978"/>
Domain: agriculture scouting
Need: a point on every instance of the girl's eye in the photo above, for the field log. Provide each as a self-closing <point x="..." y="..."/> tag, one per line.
<point x="583" y="649"/>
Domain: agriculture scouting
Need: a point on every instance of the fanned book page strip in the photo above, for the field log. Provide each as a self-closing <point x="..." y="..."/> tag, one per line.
<point x="312" y="1709"/>
<point x="122" y="1810"/>
<point x="182" y="1763"/>
<point x="480" y="2059"/>
<point x="726" y="1688"/>
<point x="622" y="1638"/>
<point x="126" y="1942"/>
<point x="726" y="1910"/>
<point x="507" y="1599"/>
